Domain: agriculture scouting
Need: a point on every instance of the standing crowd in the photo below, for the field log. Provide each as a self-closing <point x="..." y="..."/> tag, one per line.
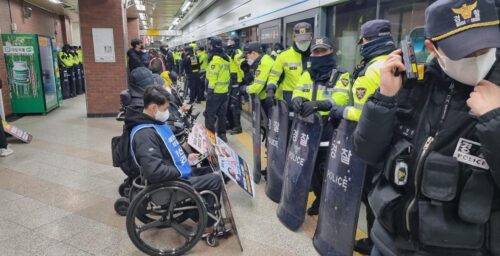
<point x="430" y="144"/>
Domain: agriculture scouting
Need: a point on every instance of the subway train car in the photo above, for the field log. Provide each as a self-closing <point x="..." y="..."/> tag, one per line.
<point x="272" y="22"/>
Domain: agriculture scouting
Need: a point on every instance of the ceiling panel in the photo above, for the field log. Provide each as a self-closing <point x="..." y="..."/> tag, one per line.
<point x="66" y="7"/>
<point x="162" y="11"/>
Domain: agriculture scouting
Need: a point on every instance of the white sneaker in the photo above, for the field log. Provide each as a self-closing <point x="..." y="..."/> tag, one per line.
<point x="6" y="151"/>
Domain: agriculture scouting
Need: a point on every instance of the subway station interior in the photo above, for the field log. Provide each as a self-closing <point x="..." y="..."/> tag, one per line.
<point x="249" y="127"/>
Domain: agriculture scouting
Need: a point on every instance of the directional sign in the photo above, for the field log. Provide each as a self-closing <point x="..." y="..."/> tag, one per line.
<point x="155" y="32"/>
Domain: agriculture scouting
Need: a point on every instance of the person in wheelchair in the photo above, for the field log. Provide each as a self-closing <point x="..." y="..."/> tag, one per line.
<point x="158" y="153"/>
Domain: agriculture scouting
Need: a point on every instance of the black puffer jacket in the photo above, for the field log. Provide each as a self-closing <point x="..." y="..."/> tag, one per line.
<point x="134" y="59"/>
<point x="156" y="163"/>
<point x="441" y="206"/>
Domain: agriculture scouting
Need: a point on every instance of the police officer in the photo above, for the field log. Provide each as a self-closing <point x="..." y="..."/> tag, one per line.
<point x="234" y="110"/>
<point x="203" y="59"/>
<point x="376" y="44"/>
<point x="262" y="64"/>
<point x="289" y="65"/>
<point x="439" y="140"/>
<point x="65" y="64"/>
<point x="192" y="69"/>
<point x="70" y="67"/>
<point x="79" y="52"/>
<point x="177" y="60"/>
<point x="218" y="87"/>
<point x="332" y="86"/>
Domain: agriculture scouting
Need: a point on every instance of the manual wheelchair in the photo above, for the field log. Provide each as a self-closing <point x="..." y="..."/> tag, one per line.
<point x="170" y="218"/>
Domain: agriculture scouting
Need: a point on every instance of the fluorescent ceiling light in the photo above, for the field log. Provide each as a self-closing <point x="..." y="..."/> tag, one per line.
<point x="140" y="7"/>
<point x="55" y="1"/>
<point x="176" y="21"/>
<point x="185" y="6"/>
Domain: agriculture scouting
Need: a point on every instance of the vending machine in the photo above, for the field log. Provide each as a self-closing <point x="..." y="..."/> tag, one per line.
<point x="31" y="73"/>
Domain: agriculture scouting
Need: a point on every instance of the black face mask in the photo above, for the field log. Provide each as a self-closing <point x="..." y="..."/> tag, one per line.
<point x="322" y="65"/>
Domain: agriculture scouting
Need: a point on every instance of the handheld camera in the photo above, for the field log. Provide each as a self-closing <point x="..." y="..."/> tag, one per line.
<point x="409" y="59"/>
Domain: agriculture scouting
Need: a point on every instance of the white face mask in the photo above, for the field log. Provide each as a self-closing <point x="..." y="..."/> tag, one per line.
<point x="303" y="45"/>
<point x="250" y="61"/>
<point x="162" y="116"/>
<point x="469" y="71"/>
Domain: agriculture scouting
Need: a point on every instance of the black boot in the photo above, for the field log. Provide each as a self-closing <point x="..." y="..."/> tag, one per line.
<point x="314" y="210"/>
<point x="363" y="246"/>
<point x="222" y="137"/>
<point x="235" y="130"/>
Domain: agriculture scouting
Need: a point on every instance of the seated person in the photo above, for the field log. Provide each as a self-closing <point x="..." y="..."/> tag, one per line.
<point x="158" y="153"/>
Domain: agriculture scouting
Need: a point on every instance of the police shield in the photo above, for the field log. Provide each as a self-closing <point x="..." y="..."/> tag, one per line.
<point x="79" y="86"/>
<point x="341" y="195"/>
<point x="256" y="137"/>
<point x="277" y="139"/>
<point x="65" y="87"/>
<point x="301" y="155"/>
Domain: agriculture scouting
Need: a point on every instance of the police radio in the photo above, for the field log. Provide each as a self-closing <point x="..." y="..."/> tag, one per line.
<point x="409" y="59"/>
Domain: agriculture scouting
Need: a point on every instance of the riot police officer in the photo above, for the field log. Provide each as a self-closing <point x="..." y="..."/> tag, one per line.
<point x="332" y="86"/>
<point x="289" y="65"/>
<point x="262" y="64"/>
<point x="203" y="59"/>
<point x="218" y="87"/>
<point x="234" y="110"/>
<point x="65" y="65"/>
<point x="191" y="66"/>
<point x="376" y="43"/>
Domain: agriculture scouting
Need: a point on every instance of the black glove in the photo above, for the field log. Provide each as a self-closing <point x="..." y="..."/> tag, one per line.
<point x="270" y="98"/>
<point x="297" y="104"/>
<point x="308" y="108"/>
<point x="337" y="112"/>
<point x="324" y="105"/>
<point x="243" y="89"/>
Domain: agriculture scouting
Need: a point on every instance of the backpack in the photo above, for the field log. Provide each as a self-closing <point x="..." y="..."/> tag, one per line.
<point x="121" y="154"/>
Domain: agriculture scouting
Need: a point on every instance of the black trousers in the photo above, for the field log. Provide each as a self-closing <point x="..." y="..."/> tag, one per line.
<point x="234" y="110"/>
<point x="319" y="172"/>
<point x="215" y="113"/>
<point x="3" y="139"/>
<point x="368" y="186"/>
<point x="287" y="96"/>
<point x="195" y="89"/>
<point x="202" y="179"/>
<point x="322" y="158"/>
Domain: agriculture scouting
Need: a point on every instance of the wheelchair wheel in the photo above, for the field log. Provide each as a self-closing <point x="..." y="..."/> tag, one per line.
<point x="212" y="240"/>
<point x="121" y="206"/>
<point x="124" y="189"/>
<point x="168" y="230"/>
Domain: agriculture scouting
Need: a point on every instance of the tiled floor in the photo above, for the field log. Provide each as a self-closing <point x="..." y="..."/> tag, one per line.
<point x="57" y="195"/>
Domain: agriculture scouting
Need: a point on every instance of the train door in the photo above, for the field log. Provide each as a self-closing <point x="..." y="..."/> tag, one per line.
<point x="270" y="35"/>
<point x="310" y="16"/>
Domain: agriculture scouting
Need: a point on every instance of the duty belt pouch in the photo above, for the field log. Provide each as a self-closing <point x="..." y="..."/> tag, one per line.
<point x="398" y="151"/>
<point x="383" y="200"/>
<point x="476" y="198"/>
<point x="440" y="177"/>
<point x="495" y="233"/>
<point x="440" y="226"/>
